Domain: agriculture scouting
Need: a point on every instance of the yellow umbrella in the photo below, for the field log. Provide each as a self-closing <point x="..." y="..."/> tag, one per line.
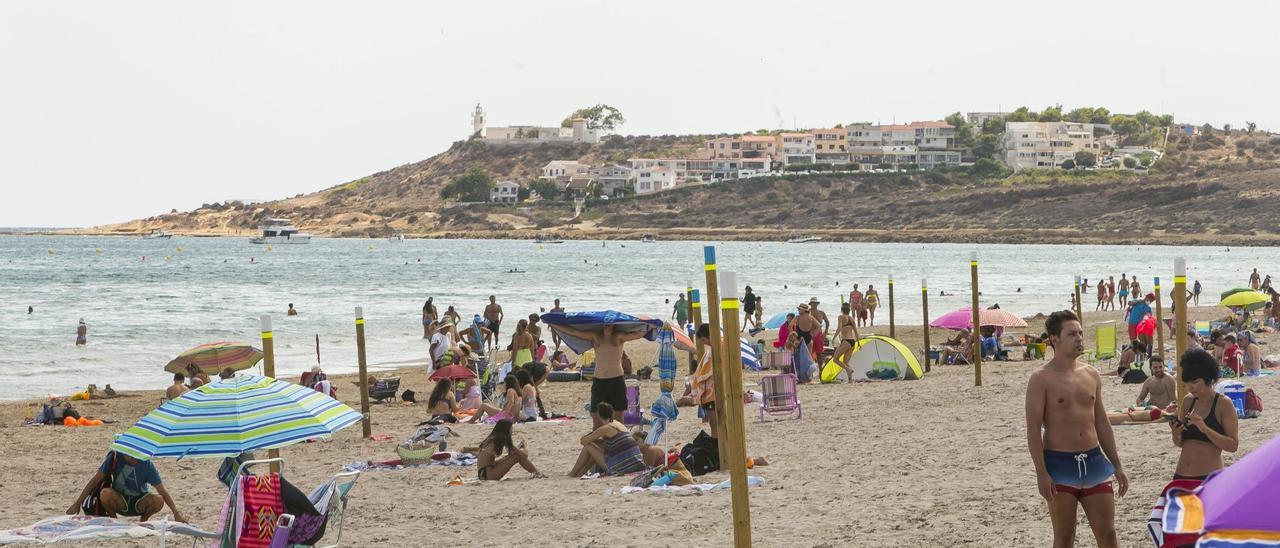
<point x="1245" y="299"/>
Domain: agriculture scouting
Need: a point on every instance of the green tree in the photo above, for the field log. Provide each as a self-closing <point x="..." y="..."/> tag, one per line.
<point x="1050" y="114"/>
<point x="1147" y="119"/>
<point x="994" y="126"/>
<point x="1023" y="114"/>
<point x="1068" y="164"/>
<point x="1129" y="162"/>
<point x="1085" y="158"/>
<point x="987" y="147"/>
<point x="472" y="186"/>
<point x="1250" y="127"/>
<point x="548" y="190"/>
<point x="964" y="131"/>
<point x="986" y="168"/>
<point x="1166" y="120"/>
<point x="598" y="117"/>
<point x="1080" y="115"/>
<point x="1125" y="125"/>
<point x="1226" y="128"/>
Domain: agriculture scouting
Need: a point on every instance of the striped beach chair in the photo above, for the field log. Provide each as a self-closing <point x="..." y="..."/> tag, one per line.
<point x="780" y="396"/>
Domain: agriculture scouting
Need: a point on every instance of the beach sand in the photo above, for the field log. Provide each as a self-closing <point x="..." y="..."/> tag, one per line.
<point x="934" y="462"/>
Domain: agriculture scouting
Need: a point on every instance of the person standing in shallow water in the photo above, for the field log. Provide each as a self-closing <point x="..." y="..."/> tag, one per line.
<point x="1075" y="455"/>
<point x="82" y="333"/>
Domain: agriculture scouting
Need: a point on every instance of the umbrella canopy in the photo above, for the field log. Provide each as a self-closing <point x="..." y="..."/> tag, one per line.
<point x="1234" y="503"/>
<point x="1248" y="299"/>
<point x="963" y="319"/>
<point x="594" y="322"/>
<point x="212" y="358"/>
<point x="1233" y="291"/>
<point x="682" y="340"/>
<point x="749" y="357"/>
<point x="453" y="373"/>
<point x="228" y="417"/>
<point x="776" y="320"/>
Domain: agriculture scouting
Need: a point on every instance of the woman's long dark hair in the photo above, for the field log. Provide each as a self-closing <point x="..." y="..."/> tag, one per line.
<point x="523" y="377"/>
<point x="511" y="383"/>
<point x="439" y="393"/>
<point x="500" y="437"/>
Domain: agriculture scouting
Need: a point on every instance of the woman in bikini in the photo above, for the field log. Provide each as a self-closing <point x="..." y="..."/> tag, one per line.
<point x="528" y="396"/>
<point x="848" y="331"/>
<point x="610" y="448"/>
<point x="509" y="403"/>
<point x="442" y="404"/>
<point x="873" y="302"/>
<point x="490" y="467"/>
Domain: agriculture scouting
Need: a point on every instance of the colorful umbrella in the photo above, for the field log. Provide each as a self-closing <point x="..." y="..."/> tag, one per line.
<point x="963" y="319"/>
<point x="453" y="373"/>
<point x="776" y="320"/>
<point x="664" y="408"/>
<point x="1235" y="506"/>
<point x="749" y="357"/>
<point x="231" y="416"/>
<point x="1233" y="291"/>
<point x="1247" y="299"/>
<point x="594" y="322"/>
<point x="212" y="358"/>
<point x="682" y="340"/>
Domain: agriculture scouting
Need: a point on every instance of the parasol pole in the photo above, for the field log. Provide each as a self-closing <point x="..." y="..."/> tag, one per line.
<point x="731" y="400"/>
<point x="891" y="323"/>
<point x="1180" y="324"/>
<point x="317" y="350"/>
<point x="976" y="333"/>
<point x="1159" y="342"/>
<point x="717" y="347"/>
<point x="365" y="426"/>
<point x="924" y="301"/>
<point x="269" y="370"/>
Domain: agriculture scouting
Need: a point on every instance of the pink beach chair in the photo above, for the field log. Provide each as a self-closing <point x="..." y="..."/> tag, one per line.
<point x="779" y="396"/>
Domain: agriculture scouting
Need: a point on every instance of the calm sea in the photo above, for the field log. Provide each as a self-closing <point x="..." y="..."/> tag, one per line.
<point x="190" y="291"/>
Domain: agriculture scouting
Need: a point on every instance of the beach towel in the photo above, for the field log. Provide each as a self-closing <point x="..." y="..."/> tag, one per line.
<point x="693" y="489"/>
<point x="803" y="363"/>
<point x="1154" y="528"/>
<point x="91" y="528"/>
<point x="595" y="321"/>
<point x="451" y="459"/>
<point x="263" y="504"/>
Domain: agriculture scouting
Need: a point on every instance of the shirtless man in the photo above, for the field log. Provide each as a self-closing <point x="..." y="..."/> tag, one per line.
<point x="1255" y="281"/>
<point x="848" y="332"/>
<point x="1159" y="389"/>
<point x="1064" y="397"/>
<point x="82" y="333"/>
<point x="1124" y="289"/>
<point x="554" y="337"/>
<point x="493" y="314"/>
<point x="178" y="388"/>
<point x="609" y="384"/>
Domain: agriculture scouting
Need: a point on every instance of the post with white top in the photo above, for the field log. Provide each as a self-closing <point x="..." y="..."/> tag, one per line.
<point x="717" y="345"/>
<point x="891" y="324"/>
<point x="269" y="368"/>
<point x="924" y="328"/>
<point x="735" y="444"/>
<point x="975" y="334"/>
<point x="1180" y="323"/>
<point x="365" y="425"/>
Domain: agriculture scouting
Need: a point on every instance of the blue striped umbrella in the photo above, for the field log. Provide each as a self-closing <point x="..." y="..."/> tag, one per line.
<point x="664" y="407"/>
<point x="749" y="357"/>
<point x="226" y="418"/>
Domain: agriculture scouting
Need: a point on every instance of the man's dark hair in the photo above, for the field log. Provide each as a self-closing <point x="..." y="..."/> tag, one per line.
<point x="1053" y="325"/>
<point x="704" y="331"/>
<point x="226" y="373"/>
<point x="179" y="377"/>
<point x="1198" y="364"/>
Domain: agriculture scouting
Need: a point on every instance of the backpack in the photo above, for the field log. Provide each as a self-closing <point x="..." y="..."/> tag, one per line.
<point x="1252" y="404"/>
<point x="92" y="505"/>
<point x="702" y="455"/>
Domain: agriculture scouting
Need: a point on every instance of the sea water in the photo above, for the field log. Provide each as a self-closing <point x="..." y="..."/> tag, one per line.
<point x="145" y="301"/>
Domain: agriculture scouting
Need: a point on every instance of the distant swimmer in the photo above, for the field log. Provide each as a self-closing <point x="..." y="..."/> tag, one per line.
<point x="1019" y="290"/>
<point x="82" y="333"/>
<point x="292" y="311"/>
<point x="251" y="259"/>
<point x="30" y="309"/>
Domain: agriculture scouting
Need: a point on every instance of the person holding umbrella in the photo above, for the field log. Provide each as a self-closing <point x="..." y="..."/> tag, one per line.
<point x="124" y="484"/>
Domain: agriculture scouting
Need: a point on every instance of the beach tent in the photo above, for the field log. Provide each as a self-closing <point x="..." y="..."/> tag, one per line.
<point x="882" y="353"/>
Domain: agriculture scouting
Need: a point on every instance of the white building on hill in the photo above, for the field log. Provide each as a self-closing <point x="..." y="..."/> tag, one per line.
<point x="532" y="135"/>
<point x="505" y="192"/>
<point x="1045" y="144"/>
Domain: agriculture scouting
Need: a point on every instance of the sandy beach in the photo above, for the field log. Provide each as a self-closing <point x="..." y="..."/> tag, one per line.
<point x="934" y="462"/>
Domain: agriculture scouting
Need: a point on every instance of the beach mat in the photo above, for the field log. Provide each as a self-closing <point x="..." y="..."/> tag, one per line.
<point x="694" y="489"/>
<point x="92" y="528"/>
<point x="455" y="459"/>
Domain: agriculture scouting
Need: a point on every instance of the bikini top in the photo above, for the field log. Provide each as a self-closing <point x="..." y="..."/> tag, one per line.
<point x="1193" y="433"/>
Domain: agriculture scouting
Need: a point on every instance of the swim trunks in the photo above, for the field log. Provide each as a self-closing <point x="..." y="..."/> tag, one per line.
<point x="1124" y="292"/>
<point x="613" y="391"/>
<point x="1079" y="474"/>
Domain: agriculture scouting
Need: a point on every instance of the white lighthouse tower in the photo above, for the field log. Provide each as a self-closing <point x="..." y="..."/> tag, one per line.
<point x="477" y="121"/>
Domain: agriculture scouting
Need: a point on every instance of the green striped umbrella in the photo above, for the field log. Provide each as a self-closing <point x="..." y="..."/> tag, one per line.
<point x="214" y="357"/>
<point x="228" y="417"/>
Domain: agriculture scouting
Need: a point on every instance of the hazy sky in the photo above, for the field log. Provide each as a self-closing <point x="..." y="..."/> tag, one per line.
<point x="116" y="110"/>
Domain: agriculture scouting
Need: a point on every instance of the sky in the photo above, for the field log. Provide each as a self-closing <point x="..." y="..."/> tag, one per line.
<point x="111" y="111"/>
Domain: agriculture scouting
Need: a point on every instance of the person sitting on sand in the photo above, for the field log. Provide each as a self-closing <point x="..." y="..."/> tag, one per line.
<point x="509" y="402"/>
<point x="1232" y="355"/>
<point x="959" y="348"/>
<point x="442" y="404"/>
<point x="609" y="448"/>
<point x="1159" y="389"/>
<point x="1252" y="355"/>
<point x="178" y="388"/>
<point x="538" y="374"/>
<point x="1134" y="352"/>
<point x="197" y="376"/>
<point x="528" y="396"/>
<point x="653" y="455"/>
<point x="785" y="331"/>
<point x="129" y="492"/>
<point x="490" y="467"/>
<point x="560" y="361"/>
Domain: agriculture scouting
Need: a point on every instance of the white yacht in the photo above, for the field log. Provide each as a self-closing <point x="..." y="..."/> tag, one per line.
<point x="540" y="239"/>
<point x="397" y="237"/>
<point x="804" y="239"/>
<point x="648" y="238"/>
<point x="280" y="231"/>
<point x="157" y="234"/>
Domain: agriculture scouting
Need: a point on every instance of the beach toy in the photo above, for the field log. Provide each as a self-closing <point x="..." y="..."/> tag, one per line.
<point x="665" y="479"/>
<point x="68" y="421"/>
<point x="456" y="481"/>
<point x="751" y="463"/>
<point x="83" y="422"/>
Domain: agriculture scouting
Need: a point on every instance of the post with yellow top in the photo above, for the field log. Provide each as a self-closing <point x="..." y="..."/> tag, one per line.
<point x="365" y="425"/>
<point x="1159" y="342"/>
<point x="688" y="298"/>
<point x="1079" y="303"/>
<point x="924" y="328"/>
<point x="891" y="325"/>
<point x="735" y="443"/>
<point x="975" y="335"/>
<point x="269" y="369"/>
<point x="1179" y="323"/>
<point x="717" y="345"/>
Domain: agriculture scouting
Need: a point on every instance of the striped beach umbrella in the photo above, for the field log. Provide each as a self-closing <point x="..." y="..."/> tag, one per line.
<point x="749" y="357"/>
<point x="228" y="417"/>
<point x="214" y="357"/>
<point x="664" y="407"/>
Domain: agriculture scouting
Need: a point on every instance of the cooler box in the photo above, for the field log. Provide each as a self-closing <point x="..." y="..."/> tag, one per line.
<point x="1236" y="391"/>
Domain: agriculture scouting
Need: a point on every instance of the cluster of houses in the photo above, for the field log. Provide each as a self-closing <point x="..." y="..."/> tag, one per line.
<point x="853" y="147"/>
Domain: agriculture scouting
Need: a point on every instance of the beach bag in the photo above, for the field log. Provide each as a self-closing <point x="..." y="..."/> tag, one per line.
<point x="92" y="505"/>
<point x="702" y="455"/>
<point x="1252" y="404"/>
<point x="1134" y="376"/>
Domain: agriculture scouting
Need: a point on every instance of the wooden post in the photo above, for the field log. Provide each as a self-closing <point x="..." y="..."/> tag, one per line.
<point x="892" y="332"/>
<point x="1159" y="342"/>
<point x="1180" y="323"/>
<point x="731" y="400"/>
<point x="696" y="317"/>
<point x="269" y="370"/>
<point x="976" y="333"/>
<point x="1079" y="304"/>
<point x="365" y="423"/>
<point x="717" y="345"/>
<point x="689" y="306"/>
<point x="924" y="328"/>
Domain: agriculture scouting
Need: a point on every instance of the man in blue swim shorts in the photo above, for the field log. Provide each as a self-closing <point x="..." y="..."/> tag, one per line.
<point x="1070" y="438"/>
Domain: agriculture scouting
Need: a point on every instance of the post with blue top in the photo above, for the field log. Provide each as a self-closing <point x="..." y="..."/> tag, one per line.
<point x="1158" y="347"/>
<point x="1180" y="325"/>
<point x="365" y="426"/>
<point x="975" y="334"/>
<point x="695" y="315"/>
<point x="734" y="443"/>
<point x="717" y="345"/>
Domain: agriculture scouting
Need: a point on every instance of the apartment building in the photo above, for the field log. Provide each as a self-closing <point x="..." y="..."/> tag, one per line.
<point x="722" y="147"/>
<point x="977" y="119"/>
<point x="797" y="148"/>
<point x="831" y="146"/>
<point x="613" y="177"/>
<point x="654" y="179"/>
<point x="925" y="144"/>
<point x="1045" y="144"/>
<point x="561" y="170"/>
<point x="761" y="146"/>
<point x="505" y="192"/>
<point x="678" y="166"/>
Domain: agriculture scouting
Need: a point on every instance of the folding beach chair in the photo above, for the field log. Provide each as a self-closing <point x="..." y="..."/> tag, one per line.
<point x="384" y="389"/>
<point x="779" y="396"/>
<point x="1104" y="342"/>
<point x="254" y="514"/>
<point x="777" y="360"/>
<point x="633" y="416"/>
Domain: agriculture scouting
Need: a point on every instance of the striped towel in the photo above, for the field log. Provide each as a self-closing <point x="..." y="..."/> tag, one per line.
<point x="1154" y="528"/>
<point x="263" y="504"/>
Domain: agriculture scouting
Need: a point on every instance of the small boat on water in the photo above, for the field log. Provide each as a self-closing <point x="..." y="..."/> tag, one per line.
<point x="397" y="237"/>
<point x="280" y="231"/>
<point x="157" y="234"/>
<point x="547" y="240"/>
<point x="804" y="239"/>
<point x="648" y="239"/>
